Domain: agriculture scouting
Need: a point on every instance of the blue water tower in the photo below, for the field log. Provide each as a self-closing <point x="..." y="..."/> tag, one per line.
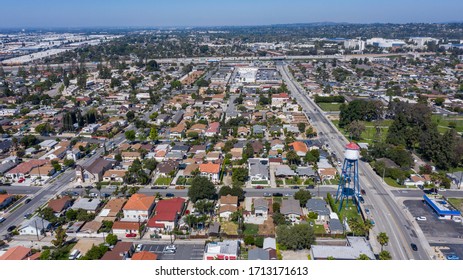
<point x="349" y="187"/>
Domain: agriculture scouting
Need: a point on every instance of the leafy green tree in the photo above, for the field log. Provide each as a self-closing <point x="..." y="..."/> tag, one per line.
<point x="248" y="151"/>
<point x="385" y="255"/>
<point x="44" y="129"/>
<point x="153" y="134"/>
<point x="56" y="165"/>
<point x="201" y="188"/>
<point x="301" y="126"/>
<point x="130" y="116"/>
<point x="279" y="219"/>
<point x="176" y="84"/>
<point x="60" y="237"/>
<point x="363" y="257"/>
<point x="71" y="215"/>
<point x="48" y="214"/>
<point x="292" y="157"/>
<point x="96" y="252"/>
<point x="249" y="240"/>
<point x="355" y="129"/>
<point x="303" y="196"/>
<point x="240" y="174"/>
<point x="130" y="135"/>
<point x="111" y="239"/>
<point x="276" y="207"/>
<point x="296" y="237"/>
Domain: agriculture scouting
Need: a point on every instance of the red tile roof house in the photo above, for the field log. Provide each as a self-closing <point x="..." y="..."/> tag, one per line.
<point x="60" y="204"/>
<point x="138" y="207"/>
<point x="213" y="129"/>
<point x="168" y="213"/>
<point x="122" y="229"/>
<point x="18" y="253"/>
<point x="23" y="169"/>
<point x="211" y="171"/>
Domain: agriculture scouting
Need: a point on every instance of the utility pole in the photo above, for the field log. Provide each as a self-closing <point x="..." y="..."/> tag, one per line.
<point x="36" y="230"/>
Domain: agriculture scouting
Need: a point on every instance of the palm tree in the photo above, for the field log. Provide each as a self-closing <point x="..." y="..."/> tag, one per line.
<point x="383" y="239"/>
<point x="385" y="255"/>
<point x="363" y="257"/>
<point x="367" y="226"/>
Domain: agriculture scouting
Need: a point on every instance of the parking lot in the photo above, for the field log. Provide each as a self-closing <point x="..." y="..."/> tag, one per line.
<point x="433" y="227"/>
<point x="454" y="249"/>
<point x="183" y="252"/>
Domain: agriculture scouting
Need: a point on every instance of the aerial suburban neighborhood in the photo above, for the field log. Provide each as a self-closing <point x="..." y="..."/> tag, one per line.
<point x="207" y="144"/>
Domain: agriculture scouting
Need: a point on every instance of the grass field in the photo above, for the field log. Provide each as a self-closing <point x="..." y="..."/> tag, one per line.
<point x="370" y="130"/>
<point x="457" y="202"/>
<point x="329" y="106"/>
<point x="163" y="181"/>
<point x="444" y="123"/>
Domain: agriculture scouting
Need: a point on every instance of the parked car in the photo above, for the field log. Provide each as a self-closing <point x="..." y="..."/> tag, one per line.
<point x="362" y="191"/>
<point x="79" y="187"/>
<point x="295" y="187"/>
<point x="27" y="216"/>
<point x="310" y="187"/>
<point x="2" y="219"/>
<point x="267" y="194"/>
<point x="277" y="194"/>
<point x="21" y="180"/>
<point x="27" y="201"/>
<point x="171" y="247"/>
<point x="170" y="195"/>
<point x="453" y="257"/>
<point x="367" y="210"/>
<point x="361" y="199"/>
<point x="131" y="235"/>
<point x="372" y="222"/>
<point x="421" y="218"/>
<point x="414" y="247"/>
<point x="259" y="187"/>
<point x="11" y="228"/>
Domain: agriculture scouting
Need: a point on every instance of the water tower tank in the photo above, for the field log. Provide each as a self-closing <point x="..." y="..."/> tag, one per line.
<point x="352" y="151"/>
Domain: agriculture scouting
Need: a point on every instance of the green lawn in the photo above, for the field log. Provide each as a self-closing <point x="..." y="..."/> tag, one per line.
<point x="393" y="183"/>
<point x="329" y="106"/>
<point x="162" y="181"/>
<point x="457" y="203"/>
<point x="349" y="211"/>
<point x="370" y="130"/>
<point x="444" y="122"/>
<point x="183" y="181"/>
<point x="251" y="229"/>
<point x="260" y="182"/>
<point x="293" y="181"/>
<point x="318" y="229"/>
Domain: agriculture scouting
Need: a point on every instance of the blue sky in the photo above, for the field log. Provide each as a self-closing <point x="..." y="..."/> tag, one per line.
<point x="122" y="13"/>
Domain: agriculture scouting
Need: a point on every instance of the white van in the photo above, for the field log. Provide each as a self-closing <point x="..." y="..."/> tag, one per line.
<point x="74" y="254"/>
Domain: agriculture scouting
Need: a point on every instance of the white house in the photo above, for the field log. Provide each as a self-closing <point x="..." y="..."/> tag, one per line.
<point x="34" y="226"/>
